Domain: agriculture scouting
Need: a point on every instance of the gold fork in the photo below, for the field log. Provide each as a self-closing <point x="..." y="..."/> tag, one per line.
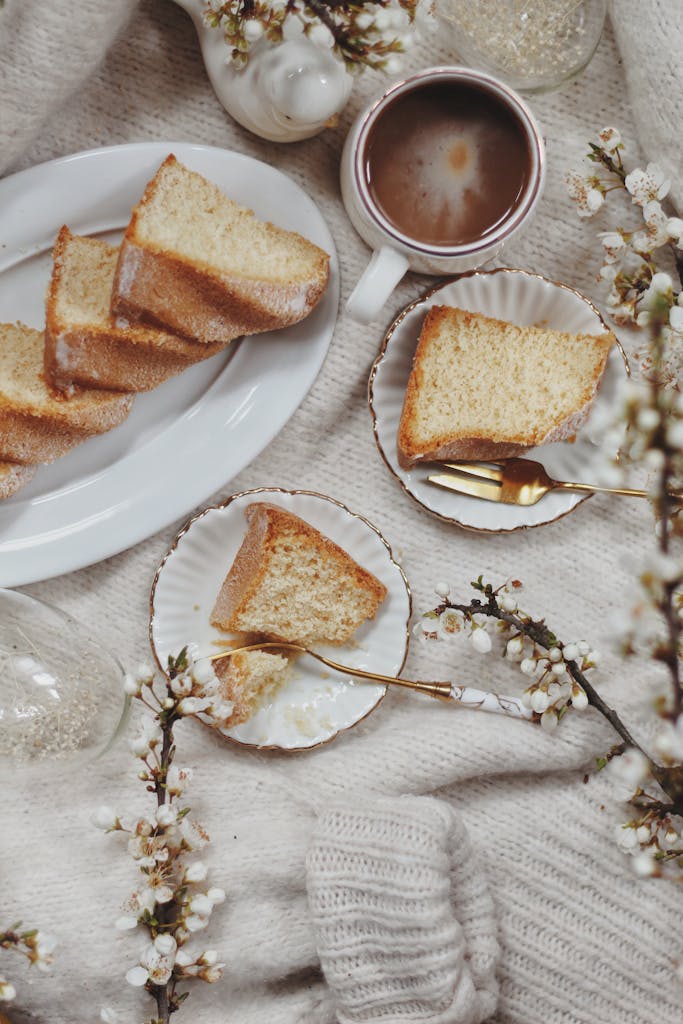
<point x="516" y="482"/>
<point x="468" y="696"/>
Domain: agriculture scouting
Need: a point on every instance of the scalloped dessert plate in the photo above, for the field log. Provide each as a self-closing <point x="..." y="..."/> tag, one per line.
<point x="521" y="298"/>
<point x="315" y="704"/>
<point x="188" y="437"/>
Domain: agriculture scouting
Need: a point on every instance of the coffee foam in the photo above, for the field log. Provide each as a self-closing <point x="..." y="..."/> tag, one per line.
<point x="446" y="162"/>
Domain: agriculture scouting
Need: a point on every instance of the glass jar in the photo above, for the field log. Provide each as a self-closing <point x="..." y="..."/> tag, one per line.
<point x="61" y="691"/>
<point x="532" y="45"/>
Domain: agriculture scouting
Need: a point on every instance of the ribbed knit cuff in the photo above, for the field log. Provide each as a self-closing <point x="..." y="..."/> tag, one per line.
<point x="404" y="922"/>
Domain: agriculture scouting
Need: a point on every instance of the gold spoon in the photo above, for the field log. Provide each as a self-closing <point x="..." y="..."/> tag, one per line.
<point x="465" y="695"/>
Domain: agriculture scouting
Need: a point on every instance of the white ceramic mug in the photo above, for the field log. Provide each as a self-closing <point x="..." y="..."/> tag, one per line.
<point x="395" y="252"/>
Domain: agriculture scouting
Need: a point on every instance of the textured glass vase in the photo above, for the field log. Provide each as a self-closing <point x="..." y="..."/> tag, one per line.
<point x="61" y="691"/>
<point x="532" y="45"/>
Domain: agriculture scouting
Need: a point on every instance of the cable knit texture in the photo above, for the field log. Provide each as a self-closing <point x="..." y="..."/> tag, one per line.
<point x="582" y="940"/>
<point x="404" y="921"/>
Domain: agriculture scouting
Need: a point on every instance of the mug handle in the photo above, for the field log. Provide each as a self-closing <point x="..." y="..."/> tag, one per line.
<point x="385" y="269"/>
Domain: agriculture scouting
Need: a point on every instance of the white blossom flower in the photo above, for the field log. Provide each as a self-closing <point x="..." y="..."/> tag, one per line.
<point x="647" y="185"/>
<point x="570" y="652"/>
<point x="158" y="965"/>
<point x="676" y="318"/>
<point x="674" y="227"/>
<point x="481" y="641"/>
<point x="631" y="768"/>
<point x="579" y="699"/>
<point x="610" y="139"/>
<point x="582" y="190"/>
<point x="105" y="818"/>
<point x="193" y="834"/>
<point x="177" y="780"/>
<point x="549" y="720"/>
<point x="211" y="974"/>
<point x="614" y="244"/>
<point x="514" y="648"/>
<point x="365" y="20"/>
<point x="166" y="815"/>
<point x="184" y="958"/>
<point x="204" y="673"/>
<point x="448" y="624"/>
<point x="626" y="837"/>
<point x="201" y="904"/>
<point x="442" y="590"/>
<point x="195" y="922"/>
<point x="7" y="991"/>
<point x="321" y="35"/>
<point x="162" y="892"/>
<point x="193" y="705"/>
<point x="528" y="666"/>
<point x="196" y="872"/>
<point x="539" y="701"/>
<point x="555" y="654"/>
<point x="252" y="30"/>
<point x="182" y="685"/>
<point x="137" y="976"/>
<point x="165" y="944"/>
<point x="125" y="923"/>
<point x="392" y="64"/>
<point x="131" y="685"/>
<point x="216" y="895"/>
<point x="145" y="673"/>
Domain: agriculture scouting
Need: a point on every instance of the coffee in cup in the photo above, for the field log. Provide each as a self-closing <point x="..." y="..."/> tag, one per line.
<point x="436" y="174"/>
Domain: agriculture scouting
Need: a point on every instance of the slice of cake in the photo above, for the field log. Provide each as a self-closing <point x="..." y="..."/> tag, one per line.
<point x="486" y="389"/>
<point x="38" y="424"/>
<point x="196" y="263"/>
<point x="289" y="582"/>
<point x="13" y="477"/>
<point x="85" y="345"/>
<point x="249" y="680"/>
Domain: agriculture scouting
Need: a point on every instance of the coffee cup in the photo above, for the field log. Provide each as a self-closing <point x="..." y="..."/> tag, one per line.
<point x="436" y="174"/>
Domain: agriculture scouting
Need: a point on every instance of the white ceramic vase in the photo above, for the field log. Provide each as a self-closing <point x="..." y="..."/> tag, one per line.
<point x="287" y="92"/>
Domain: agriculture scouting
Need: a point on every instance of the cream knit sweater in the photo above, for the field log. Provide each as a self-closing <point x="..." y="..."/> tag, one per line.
<point x="431" y="865"/>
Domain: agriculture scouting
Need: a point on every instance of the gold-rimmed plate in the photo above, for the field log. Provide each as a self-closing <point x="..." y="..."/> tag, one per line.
<point x="315" y="704"/>
<point x="522" y="298"/>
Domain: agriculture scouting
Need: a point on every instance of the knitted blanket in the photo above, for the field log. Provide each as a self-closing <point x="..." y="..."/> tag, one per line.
<point x="487" y="849"/>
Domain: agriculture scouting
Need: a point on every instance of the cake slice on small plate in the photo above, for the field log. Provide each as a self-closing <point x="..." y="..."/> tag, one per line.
<point x="482" y="388"/>
<point x="249" y="679"/>
<point x="289" y="582"/>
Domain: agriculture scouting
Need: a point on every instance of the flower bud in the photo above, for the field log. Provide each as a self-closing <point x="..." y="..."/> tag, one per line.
<point x="480" y="640"/>
<point x="549" y="720"/>
<point x="105" y="818"/>
<point x="196" y="872"/>
<point x="131" y="685"/>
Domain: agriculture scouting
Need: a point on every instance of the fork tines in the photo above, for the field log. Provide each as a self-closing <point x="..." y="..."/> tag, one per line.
<point x="480" y="480"/>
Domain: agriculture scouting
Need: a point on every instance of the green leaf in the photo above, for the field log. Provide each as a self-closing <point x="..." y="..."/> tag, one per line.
<point x="601" y="762"/>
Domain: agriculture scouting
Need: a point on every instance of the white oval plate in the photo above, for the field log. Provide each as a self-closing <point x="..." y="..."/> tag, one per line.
<point x="521" y="298"/>
<point x="186" y="439"/>
<point x="315" y="704"/>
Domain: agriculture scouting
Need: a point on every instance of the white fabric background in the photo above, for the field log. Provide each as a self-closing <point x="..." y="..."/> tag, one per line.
<point x="582" y="940"/>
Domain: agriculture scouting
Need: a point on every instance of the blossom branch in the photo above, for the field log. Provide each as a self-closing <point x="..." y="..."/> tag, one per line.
<point x="168" y="905"/>
<point x="362" y="32"/>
